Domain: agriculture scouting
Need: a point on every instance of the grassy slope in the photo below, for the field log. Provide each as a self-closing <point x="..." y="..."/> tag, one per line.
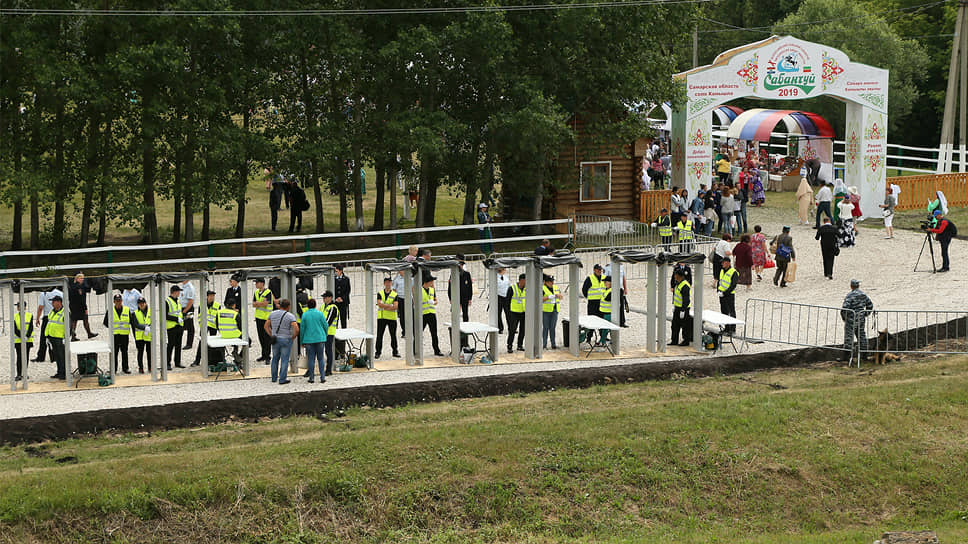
<point x="450" y="209"/>
<point x="836" y="457"/>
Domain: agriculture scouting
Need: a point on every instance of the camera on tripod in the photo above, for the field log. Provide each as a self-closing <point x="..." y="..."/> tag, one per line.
<point x="927" y="224"/>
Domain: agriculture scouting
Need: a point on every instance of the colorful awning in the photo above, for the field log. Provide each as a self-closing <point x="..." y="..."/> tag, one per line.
<point x="758" y="124"/>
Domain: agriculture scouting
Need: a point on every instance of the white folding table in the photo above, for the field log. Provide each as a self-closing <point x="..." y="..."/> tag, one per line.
<point x="224" y="366"/>
<point x="591" y="324"/>
<point x="85" y="347"/>
<point x="354" y="338"/>
<point x="474" y="330"/>
<point x="722" y="320"/>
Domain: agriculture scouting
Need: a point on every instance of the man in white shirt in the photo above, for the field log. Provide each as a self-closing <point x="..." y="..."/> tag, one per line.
<point x="824" y="197"/>
<point x="503" y="298"/>
<point x="44" y="307"/>
<point x="187" y="301"/>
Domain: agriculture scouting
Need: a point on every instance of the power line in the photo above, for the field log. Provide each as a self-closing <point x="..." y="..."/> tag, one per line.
<point x="341" y="12"/>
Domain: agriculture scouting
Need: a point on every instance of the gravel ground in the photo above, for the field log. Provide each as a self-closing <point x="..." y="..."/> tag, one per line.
<point x="884" y="266"/>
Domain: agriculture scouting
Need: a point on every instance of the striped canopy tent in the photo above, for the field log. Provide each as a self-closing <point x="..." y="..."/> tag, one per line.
<point x="725" y="115"/>
<point x="758" y="124"/>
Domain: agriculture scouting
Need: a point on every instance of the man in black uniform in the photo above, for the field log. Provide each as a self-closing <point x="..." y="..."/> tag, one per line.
<point x="341" y="297"/>
<point x="234" y="292"/>
<point x="466" y="288"/>
<point x="681" y="302"/>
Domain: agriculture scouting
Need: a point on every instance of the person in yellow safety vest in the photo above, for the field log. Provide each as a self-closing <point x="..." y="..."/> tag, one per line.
<point x="727" y="287"/>
<point x="592" y="290"/>
<point x="55" y="336"/>
<point x="681" y="303"/>
<point x="264" y="303"/>
<point x="664" y="223"/>
<point x="429" y="306"/>
<point x="606" y="308"/>
<point x="142" y="333"/>
<point x="550" y="305"/>
<point x="19" y="333"/>
<point x="331" y="311"/>
<point x="386" y="317"/>
<point x="121" y="329"/>
<point x="516" y="315"/>
<point x="684" y="226"/>
<point x="211" y="318"/>
<point x="174" y="325"/>
<point x="229" y="325"/>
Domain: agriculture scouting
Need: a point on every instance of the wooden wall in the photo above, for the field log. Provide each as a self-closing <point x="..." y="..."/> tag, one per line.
<point x="917" y="191"/>
<point x="624" y="202"/>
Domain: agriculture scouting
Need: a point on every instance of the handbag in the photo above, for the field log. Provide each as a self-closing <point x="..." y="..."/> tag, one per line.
<point x="770" y="263"/>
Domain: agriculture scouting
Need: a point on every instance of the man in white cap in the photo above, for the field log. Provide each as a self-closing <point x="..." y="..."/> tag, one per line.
<point x="485" y="231"/>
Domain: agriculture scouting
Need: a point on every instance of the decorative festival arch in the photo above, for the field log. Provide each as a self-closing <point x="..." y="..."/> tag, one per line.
<point x="785" y="68"/>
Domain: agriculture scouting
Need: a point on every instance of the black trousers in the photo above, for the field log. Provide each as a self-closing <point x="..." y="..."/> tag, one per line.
<point x="20" y="364"/>
<point x="717" y="266"/>
<point x="144" y="346"/>
<point x="593" y="306"/>
<point x="275" y="216"/>
<point x="503" y="312"/>
<point x="945" y="242"/>
<point x="464" y="306"/>
<point x="430" y="320"/>
<point x="188" y="330"/>
<point x="57" y="354"/>
<point x="295" y="220"/>
<point x="681" y="321"/>
<point x="516" y="325"/>
<point x="344" y="315"/>
<point x="780" y="275"/>
<point x="828" y="261"/>
<point x="727" y="305"/>
<point x="121" y="351"/>
<point x="265" y="341"/>
<point x="42" y="350"/>
<point x="329" y="353"/>
<point x="401" y="314"/>
<point x="382" y="325"/>
<point x="174" y="345"/>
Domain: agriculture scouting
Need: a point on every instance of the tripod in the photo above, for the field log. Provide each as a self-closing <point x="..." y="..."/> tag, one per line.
<point x="927" y="242"/>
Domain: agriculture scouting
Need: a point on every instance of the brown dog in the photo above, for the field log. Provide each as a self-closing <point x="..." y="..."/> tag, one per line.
<point x="881" y="348"/>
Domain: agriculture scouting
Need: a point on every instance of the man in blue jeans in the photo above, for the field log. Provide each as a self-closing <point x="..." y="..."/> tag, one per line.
<point x="282" y="328"/>
<point x="312" y="334"/>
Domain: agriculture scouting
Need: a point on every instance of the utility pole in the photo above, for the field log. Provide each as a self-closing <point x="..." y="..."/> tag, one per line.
<point x="695" y="46"/>
<point x="957" y="70"/>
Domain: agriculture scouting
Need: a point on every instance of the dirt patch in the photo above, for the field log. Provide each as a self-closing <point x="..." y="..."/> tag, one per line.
<point x="191" y="414"/>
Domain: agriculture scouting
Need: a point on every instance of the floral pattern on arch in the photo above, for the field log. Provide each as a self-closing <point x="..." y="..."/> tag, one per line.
<point x="831" y="70"/>
<point x="749" y="72"/>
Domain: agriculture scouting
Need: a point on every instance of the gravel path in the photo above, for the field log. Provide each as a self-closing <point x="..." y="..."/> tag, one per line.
<point x="884" y="266"/>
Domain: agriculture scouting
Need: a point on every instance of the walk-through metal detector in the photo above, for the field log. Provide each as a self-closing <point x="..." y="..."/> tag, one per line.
<point x="18" y="290"/>
<point x="535" y="297"/>
<point x="304" y="277"/>
<point x="162" y="284"/>
<point x="122" y="281"/>
<point x="415" y="306"/>
<point x="532" y="318"/>
<point x="390" y="269"/>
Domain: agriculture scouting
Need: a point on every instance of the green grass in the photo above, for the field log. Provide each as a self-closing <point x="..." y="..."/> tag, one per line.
<point x="449" y="211"/>
<point x="838" y="456"/>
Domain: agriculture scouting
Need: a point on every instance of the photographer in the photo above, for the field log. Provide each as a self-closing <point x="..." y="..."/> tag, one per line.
<point x="944" y="230"/>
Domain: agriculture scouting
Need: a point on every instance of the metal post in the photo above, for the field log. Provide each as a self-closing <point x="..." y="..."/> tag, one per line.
<point x="574" y="280"/>
<point x="288" y="290"/>
<point x="418" y="315"/>
<point x="493" y="312"/>
<point x="455" y="314"/>
<point x="652" y="289"/>
<point x="13" y="346"/>
<point x="155" y="365"/>
<point x="67" y="333"/>
<point x="23" y="332"/>
<point x="532" y="311"/>
<point x="617" y="305"/>
<point x="697" y="305"/>
<point x="369" y="310"/>
<point x="408" y="328"/>
<point x="163" y="346"/>
<point x="243" y="308"/>
<point x="203" y="323"/>
<point x="112" y="357"/>
<point x="660" y="317"/>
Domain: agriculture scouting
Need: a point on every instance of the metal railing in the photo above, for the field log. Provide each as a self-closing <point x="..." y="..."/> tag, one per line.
<point x="917" y="331"/>
<point x="793" y="323"/>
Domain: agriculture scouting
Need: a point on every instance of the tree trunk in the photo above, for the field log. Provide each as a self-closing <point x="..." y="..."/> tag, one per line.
<point x="188" y="188"/>
<point x="357" y="182"/>
<point x="318" y="197"/>
<point x="423" y="190"/>
<point x="150" y="222"/>
<point x="102" y="213"/>
<point x="392" y="181"/>
<point x="340" y="185"/>
<point x="90" y="176"/>
<point x="34" y="222"/>
<point x="17" y="236"/>
<point x="177" y="198"/>
<point x="378" y="208"/>
<point x="206" y="219"/>
<point x="487" y="182"/>
<point x="58" y="174"/>
<point x="243" y="183"/>
<point x="536" y="210"/>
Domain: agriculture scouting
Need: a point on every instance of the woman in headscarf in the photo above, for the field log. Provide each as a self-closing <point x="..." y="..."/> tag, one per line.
<point x="759" y="195"/>
<point x="840" y="193"/>
<point x="854" y="198"/>
<point x="845" y="225"/>
<point x="804" y="200"/>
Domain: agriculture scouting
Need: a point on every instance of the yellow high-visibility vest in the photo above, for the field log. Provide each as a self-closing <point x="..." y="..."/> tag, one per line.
<point x="122" y="323"/>
<point x="605" y="306"/>
<point x="143" y="318"/>
<point x="227" y="325"/>
<point x="213" y="310"/>
<point x="264" y="295"/>
<point x="29" y="318"/>
<point x="595" y="291"/>
<point x="55" y="324"/>
<point x="552" y="306"/>
<point x="428" y="301"/>
<point x="387" y="298"/>
<point x="332" y="317"/>
<point x="677" y="294"/>
<point x="665" y="226"/>
<point x="518" y="299"/>
<point x="726" y="279"/>
<point x="685" y="230"/>
<point x="174" y="310"/>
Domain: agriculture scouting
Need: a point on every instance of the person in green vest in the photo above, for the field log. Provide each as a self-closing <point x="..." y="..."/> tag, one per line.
<point x="121" y="329"/>
<point x="263" y="303"/>
<point x="229" y="325"/>
<point x="592" y="290"/>
<point x="684" y="227"/>
<point x="55" y="336"/>
<point x="331" y="311"/>
<point x="386" y="317"/>
<point x="550" y="306"/>
<point x="727" y="287"/>
<point x="429" y="306"/>
<point x="664" y="224"/>
<point x="681" y="303"/>
<point x="606" y="307"/>
<point x="142" y="333"/>
<point x="516" y="315"/>
<point x="20" y="333"/>
<point x="213" y="308"/>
